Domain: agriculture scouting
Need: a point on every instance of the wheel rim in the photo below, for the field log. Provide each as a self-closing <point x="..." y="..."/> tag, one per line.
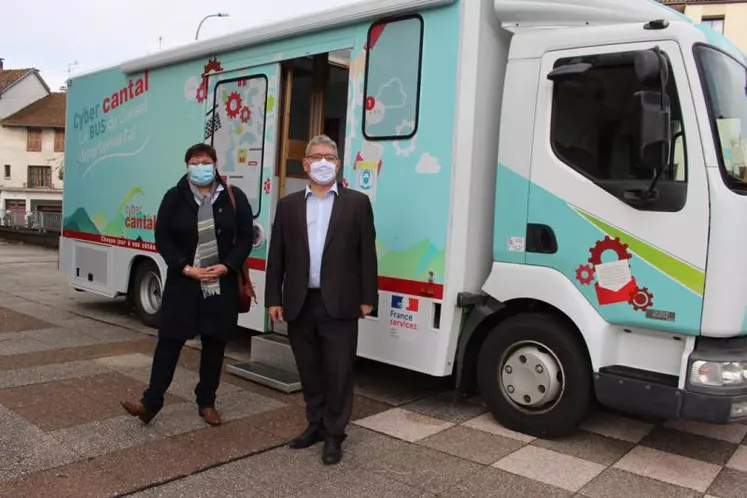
<point x="531" y="377"/>
<point x="150" y="293"/>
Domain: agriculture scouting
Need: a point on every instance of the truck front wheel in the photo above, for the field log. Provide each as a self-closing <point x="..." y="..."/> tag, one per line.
<point x="535" y="376"/>
<point x="146" y="293"/>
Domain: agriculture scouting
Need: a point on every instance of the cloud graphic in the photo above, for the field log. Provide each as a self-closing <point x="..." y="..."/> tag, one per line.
<point x="392" y="94"/>
<point x="428" y="165"/>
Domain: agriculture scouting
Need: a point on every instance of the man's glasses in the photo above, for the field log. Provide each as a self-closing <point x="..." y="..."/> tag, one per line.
<point x="318" y="157"/>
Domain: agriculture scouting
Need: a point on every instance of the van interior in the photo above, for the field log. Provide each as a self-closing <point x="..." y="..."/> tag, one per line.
<point x="314" y="95"/>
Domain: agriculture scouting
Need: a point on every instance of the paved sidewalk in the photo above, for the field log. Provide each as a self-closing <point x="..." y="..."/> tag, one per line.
<point x="67" y="358"/>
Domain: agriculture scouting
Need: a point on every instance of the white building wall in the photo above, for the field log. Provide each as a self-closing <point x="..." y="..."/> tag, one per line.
<point x="13" y="152"/>
<point x="23" y="93"/>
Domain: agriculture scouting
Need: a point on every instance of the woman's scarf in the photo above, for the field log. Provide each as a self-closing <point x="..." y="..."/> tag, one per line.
<point x="207" y="246"/>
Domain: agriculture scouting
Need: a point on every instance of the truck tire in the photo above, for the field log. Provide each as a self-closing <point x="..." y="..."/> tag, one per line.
<point x="147" y="289"/>
<point x="535" y="376"/>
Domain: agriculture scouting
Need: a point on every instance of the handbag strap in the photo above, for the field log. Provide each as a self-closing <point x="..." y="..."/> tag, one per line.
<point x="244" y="272"/>
<point x="229" y="188"/>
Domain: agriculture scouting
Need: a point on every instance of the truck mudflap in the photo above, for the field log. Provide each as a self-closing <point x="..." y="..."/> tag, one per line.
<point x="481" y="307"/>
<point x="715" y="390"/>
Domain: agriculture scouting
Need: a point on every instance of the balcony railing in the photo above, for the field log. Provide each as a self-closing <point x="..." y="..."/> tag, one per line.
<point x="40" y="221"/>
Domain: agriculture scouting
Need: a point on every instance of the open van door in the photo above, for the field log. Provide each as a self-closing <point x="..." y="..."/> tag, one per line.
<point x="241" y="123"/>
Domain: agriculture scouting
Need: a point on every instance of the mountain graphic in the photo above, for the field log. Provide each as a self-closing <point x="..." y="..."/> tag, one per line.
<point x="413" y="263"/>
<point x="100" y="221"/>
<point x="79" y="221"/>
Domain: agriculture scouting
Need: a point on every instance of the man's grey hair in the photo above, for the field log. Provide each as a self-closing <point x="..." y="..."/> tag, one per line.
<point x="321" y="139"/>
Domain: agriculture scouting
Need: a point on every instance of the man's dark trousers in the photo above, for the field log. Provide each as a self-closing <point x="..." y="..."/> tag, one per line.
<point x="325" y="350"/>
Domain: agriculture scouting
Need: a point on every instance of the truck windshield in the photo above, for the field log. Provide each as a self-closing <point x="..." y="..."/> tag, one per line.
<point x="725" y="83"/>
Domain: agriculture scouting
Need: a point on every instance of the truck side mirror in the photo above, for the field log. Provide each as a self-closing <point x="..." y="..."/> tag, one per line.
<point x="652" y="116"/>
<point x="652" y="110"/>
<point x="651" y="68"/>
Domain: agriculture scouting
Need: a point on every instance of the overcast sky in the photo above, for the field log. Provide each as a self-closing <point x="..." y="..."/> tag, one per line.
<point x="50" y="34"/>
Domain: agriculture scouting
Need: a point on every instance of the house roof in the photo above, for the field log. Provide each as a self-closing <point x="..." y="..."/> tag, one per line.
<point x="8" y="77"/>
<point x="47" y="112"/>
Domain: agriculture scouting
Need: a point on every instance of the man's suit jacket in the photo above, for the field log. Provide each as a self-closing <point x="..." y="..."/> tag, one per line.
<point x="349" y="273"/>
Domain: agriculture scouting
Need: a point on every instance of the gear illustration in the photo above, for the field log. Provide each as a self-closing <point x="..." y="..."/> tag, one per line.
<point x="212" y="66"/>
<point x="585" y="274"/>
<point x="241" y="83"/>
<point x="401" y="129"/>
<point x="233" y="105"/>
<point x="246" y="114"/>
<point x="641" y="299"/>
<point x="202" y="92"/>
<point x="608" y="244"/>
<point x="370" y="103"/>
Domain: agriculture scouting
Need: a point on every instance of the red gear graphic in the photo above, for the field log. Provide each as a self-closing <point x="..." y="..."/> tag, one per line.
<point x="241" y="83"/>
<point x="641" y="299"/>
<point x="212" y="65"/>
<point x="233" y="105"/>
<point x="268" y="186"/>
<point x="246" y="114"/>
<point x="370" y="103"/>
<point x="585" y="274"/>
<point x="202" y="91"/>
<point x="608" y="244"/>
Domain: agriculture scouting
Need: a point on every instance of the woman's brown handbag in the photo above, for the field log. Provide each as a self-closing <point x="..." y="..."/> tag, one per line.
<point x="246" y="289"/>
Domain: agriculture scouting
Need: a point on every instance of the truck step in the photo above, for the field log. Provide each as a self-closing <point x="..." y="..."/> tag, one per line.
<point x="273" y="350"/>
<point x="267" y="375"/>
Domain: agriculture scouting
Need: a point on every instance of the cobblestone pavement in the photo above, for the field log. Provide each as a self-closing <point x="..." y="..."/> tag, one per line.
<point x="67" y="358"/>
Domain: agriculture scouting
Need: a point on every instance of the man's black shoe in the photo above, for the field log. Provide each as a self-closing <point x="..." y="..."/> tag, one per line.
<point x="309" y="437"/>
<point x="332" y="453"/>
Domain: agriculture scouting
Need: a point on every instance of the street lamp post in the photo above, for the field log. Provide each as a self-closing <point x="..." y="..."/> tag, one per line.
<point x="219" y="14"/>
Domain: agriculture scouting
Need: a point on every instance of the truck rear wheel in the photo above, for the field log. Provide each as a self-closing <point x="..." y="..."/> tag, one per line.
<point x="535" y="376"/>
<point x="147" y="289"/>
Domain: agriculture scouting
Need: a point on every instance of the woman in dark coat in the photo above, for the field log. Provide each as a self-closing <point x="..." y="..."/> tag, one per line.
<point x="204" y="244"/>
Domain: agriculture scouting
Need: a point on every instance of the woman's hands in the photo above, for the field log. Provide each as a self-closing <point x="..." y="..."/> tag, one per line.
<point x="209" y="274"/>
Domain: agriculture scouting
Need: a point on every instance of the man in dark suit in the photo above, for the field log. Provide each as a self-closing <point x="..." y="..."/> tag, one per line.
<point x="322" y="277"/>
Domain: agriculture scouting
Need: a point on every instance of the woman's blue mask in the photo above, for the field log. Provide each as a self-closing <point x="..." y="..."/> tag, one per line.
<point x="201" y="175"/>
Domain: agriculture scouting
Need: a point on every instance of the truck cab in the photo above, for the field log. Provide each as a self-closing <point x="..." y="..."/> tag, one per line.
<point x="619" y="221"/>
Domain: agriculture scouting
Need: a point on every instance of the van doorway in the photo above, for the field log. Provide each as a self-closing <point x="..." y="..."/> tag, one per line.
<point x="314" y="101"/>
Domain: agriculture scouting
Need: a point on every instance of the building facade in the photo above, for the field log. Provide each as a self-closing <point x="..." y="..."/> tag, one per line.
<point x="728" y="17"/>
<point x="32" y="145"/>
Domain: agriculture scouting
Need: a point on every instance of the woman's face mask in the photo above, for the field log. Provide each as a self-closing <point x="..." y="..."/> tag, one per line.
<point x="201" y="175"/>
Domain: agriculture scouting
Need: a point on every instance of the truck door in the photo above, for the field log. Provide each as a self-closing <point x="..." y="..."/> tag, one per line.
<point x="640" y="264"/>
<point x="241" y="123"/>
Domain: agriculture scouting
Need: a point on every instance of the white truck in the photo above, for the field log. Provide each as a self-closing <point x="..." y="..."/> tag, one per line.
<point x="558" y="187"/>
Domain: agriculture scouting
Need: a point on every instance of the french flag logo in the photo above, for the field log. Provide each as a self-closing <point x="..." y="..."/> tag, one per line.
<point x="410" y="304"/>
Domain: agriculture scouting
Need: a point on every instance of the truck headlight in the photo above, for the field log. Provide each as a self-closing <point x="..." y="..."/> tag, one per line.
<point x="715" y="374"/>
